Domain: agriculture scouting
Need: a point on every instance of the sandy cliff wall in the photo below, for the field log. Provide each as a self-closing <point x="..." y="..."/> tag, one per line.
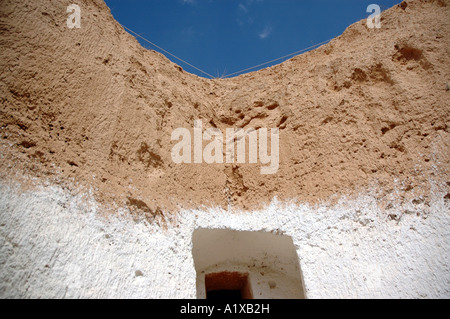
<point x="92" y="107"/>
<point x="92" y="204"/>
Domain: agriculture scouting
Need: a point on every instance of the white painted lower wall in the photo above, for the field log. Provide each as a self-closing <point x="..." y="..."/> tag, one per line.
<point x="55" y="245"/>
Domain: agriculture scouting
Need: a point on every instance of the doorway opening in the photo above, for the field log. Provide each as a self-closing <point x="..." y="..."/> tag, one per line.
<point x="246" y="265"/>
<point x="228" y="285"/>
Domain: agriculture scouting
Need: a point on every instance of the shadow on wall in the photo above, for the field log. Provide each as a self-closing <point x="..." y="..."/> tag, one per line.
<point x="246" y="265"/>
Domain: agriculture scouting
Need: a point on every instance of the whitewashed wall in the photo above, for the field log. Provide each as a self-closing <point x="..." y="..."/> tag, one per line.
<point x="55" y="245"/>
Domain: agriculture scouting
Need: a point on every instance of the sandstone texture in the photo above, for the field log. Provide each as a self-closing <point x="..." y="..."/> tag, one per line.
<point x="90" y="107"/>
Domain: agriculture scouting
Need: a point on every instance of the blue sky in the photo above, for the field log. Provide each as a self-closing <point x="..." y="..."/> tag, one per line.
<point x="225" y="36"/>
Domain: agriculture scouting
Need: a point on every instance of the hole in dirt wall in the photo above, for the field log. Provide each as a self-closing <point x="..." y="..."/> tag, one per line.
<point x="269" y="262"/>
